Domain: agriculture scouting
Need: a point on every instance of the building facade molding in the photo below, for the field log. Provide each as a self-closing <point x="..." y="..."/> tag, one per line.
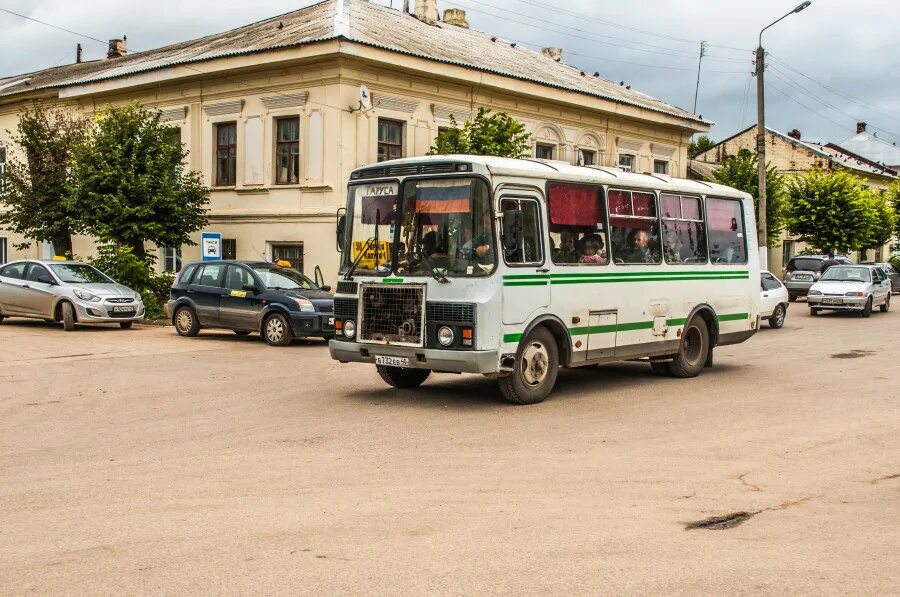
<point x="224" y="108"/>
<point x="285" y="100"/>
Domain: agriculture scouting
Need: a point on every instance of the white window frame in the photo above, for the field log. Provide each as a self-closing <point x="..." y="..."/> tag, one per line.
<point x="172" y="254"/>
<point x="630" y="167"/>
<point x="3" y="151"/>
<point x="659" y="161"/>
<point x="582" y="151"/>
<point x="554" y="150"/>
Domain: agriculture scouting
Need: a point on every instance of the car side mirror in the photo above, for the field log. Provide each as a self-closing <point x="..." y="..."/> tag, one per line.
<point x="326" y="288"/>
<point x="46" y="280"/>
<point x="249" y="288"/>
<point x="339" y="229"/>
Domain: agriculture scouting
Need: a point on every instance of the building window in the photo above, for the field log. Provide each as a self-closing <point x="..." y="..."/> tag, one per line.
<point x="289" y="252"/>
<point x="660" y="167"/>
<point x="287" y="151"/>
<point x="175" y="136"/>
<point x="626" y="162"/>
<point x="544" y="151"/>
<point x="787" y="251"/>
<point x="587" y="157"/>
<point x="4" y="257"/>
<point x="171" y="261"/>
<point x="226" y="154"/>
<point x="390" y="139"/>
<point x="229" y="248"/>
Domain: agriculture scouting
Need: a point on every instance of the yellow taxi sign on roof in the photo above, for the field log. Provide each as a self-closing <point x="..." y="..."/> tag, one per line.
<point x="59" y="258"/>
<point x="283" y="263"/>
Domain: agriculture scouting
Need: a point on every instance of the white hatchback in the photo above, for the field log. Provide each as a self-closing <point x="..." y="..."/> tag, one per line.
<point x="774" y="300"/>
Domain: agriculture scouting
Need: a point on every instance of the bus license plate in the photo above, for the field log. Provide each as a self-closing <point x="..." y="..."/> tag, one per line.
<point x="392" y="361"/>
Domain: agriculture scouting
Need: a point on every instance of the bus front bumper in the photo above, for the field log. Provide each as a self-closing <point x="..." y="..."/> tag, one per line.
<point x="452" y="361"/>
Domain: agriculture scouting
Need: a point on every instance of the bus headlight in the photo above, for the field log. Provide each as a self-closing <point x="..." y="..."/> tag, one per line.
<point x="349" y="328"/>
<point x="445" y="336"/>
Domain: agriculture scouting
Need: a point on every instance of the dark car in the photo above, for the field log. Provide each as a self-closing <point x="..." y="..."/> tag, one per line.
<point x="891" y="271"/>
<point x="804" y="270"/>
<point x="250" y="296"/>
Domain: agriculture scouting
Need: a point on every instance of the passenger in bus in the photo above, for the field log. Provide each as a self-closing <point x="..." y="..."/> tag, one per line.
<point x="593" y="250"/>
<point x="567" y="251"/>
<point x="672" y="248"/>
<point x="641" y="249"/>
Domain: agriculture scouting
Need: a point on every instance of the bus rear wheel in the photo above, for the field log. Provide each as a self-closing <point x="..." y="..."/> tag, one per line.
<point x="399" y="377"/>
<point x="692" y="352"/>
<point x="535" y="371"/>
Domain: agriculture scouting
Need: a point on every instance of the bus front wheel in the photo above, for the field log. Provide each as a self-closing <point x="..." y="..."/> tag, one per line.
<point x="692" y="352"/>
<point x="534" y="375"/>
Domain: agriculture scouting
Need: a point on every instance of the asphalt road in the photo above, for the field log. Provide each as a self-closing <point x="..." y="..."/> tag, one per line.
<point x="138" y="462"/>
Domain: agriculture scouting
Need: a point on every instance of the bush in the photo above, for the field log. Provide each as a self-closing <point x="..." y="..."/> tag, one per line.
<point x="123" y="266"/>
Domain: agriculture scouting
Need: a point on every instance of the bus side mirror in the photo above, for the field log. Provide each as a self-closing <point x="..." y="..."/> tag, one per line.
<point x="339" y="229"/>
<point x="513" y="226"/>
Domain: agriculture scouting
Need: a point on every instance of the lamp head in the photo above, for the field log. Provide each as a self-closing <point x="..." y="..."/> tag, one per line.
<point x="802" y="6"/>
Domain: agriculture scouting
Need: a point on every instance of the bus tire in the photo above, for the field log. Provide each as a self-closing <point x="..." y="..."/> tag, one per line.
<point x="692" y="352"/>
<point x="399" y="377"/>
<point x="535" y="371"/>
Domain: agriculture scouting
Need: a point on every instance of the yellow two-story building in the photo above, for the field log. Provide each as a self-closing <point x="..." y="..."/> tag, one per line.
<point x="273" y="117"/>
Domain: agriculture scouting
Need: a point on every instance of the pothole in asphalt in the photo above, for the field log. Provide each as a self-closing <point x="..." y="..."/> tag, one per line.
<point x="718" y="523"/>
<point x="853" y="354"/>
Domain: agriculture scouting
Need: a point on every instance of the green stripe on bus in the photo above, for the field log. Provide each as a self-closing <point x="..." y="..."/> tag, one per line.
<point x="625" y="327"/>
<point x="622" y="281"/>
<point x="607" y="274"/>
<point x="393" y="280"/>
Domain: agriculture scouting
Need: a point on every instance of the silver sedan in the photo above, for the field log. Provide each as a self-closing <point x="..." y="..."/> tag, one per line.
<point x="67" y="291"/>
<point x="858" y="288"/>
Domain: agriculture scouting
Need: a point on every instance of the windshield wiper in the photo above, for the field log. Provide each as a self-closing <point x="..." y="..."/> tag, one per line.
<point x="355" y="264"/>
<point x="435" y="270"/>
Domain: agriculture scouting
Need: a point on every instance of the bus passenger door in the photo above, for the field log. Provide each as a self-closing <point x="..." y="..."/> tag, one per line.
<point x="526" y="286"/>
<point x="602" y="334"/>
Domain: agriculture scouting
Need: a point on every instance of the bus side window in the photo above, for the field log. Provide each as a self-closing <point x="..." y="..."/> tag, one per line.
<point x="684" y="233"/>
<point x="530" y="245"/>
<point x="577" y="224"/>
<point x="725" y="222"/>
<point x="634" y="227"/>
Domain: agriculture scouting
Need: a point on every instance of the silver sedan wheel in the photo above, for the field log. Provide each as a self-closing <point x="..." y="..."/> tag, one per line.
<point x="184" y="321"/>
<point x="275" y="329"/>
<point x="535" y="363"/>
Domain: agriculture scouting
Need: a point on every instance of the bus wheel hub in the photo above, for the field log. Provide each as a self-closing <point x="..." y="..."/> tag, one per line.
<point x="535" y="361"/>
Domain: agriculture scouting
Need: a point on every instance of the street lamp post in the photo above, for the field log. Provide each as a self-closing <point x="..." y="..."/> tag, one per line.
<point x="762" y="228"/>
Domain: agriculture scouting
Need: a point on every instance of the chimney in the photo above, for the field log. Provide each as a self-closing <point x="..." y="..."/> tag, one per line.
<point x="794" y="134"/>
<point x="456" y="16"/>
<point x="79" y="57"/>
<point x="117" y="47"/>
<point x="426" y="11"/>
<point x="552" y="53"/>
<point x="860" y="127"/>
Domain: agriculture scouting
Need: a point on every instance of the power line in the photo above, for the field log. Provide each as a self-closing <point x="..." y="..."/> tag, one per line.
<point x="27" y="18"/>
<point x="802" y="105"/>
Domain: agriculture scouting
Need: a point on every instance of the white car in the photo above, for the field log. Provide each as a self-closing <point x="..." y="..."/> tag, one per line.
<point x="858" y="288"/>
<point x="774" y="300"/>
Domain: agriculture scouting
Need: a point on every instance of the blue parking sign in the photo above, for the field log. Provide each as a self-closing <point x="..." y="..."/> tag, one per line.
<point x="211" y="246"/>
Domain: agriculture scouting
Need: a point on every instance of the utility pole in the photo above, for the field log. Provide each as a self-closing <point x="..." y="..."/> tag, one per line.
<point x="699" y="64"/>
<point x="761" y="227"/>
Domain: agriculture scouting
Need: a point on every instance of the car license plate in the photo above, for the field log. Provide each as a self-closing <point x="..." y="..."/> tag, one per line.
<point x="392" y="361"/>
<point x="832" y="301"/>
<point x="802" y="277"/>
<point x="123" y="309"/>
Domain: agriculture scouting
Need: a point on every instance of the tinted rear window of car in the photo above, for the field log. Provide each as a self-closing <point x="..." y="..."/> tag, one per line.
<point x="807" y="264"/>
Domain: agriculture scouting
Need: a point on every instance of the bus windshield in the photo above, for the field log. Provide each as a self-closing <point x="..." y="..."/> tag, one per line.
<point x="446" y="228"/>
<point x="371" y="213"/>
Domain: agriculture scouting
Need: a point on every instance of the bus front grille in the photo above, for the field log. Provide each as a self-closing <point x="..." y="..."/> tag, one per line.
<point x="392" y="314"/>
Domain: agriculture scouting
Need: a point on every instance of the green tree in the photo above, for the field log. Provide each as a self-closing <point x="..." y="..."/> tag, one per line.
<point x="893" y="197"/>
<point x="701" y="145"/>
<point x="882" y="219"/>
<point x="741" y="172"/>
<point x="132" y="185"/>
<point x="829" y="211"/>
<point x="36" y="188"/>
<point x="486" y="134"/>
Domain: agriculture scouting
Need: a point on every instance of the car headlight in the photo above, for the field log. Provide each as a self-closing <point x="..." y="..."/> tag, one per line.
<point x="814" y="293"/>
<point x="86" y="296"/>
<point x="855" y="294"/>
<point x="349" y="328"/>
<point x="445" y="336"/>
<point x="305" y="305"/>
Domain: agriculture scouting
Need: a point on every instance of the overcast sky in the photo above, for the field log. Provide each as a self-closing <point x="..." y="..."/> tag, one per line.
<point x="831" y="65"/>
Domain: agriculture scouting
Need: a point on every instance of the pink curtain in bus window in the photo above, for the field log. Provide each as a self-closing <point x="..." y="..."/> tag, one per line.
<point x="626" y="222"/>
<point x="723" y="215"/>
<point x="574" y="205"/>
<point x="670" y="205"/>
<point x="619" y="202"/>
<point x="643" y="205"/>
<point x="690" y="208"/>
<point x="382" y="206"/>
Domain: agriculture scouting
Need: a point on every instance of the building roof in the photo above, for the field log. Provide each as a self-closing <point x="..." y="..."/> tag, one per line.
<point x="838" y="154"/>
<point x="362" y="22"/>
<point x="872" y="147"/>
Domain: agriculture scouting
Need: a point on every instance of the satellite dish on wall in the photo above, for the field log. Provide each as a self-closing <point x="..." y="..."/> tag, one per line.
<point x="365" y="98"/>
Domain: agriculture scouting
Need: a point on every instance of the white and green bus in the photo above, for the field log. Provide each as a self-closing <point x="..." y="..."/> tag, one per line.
<point x="515" y="268"/>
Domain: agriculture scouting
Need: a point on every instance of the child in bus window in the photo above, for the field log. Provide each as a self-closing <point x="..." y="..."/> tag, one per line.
<point x="592" y="247"/>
